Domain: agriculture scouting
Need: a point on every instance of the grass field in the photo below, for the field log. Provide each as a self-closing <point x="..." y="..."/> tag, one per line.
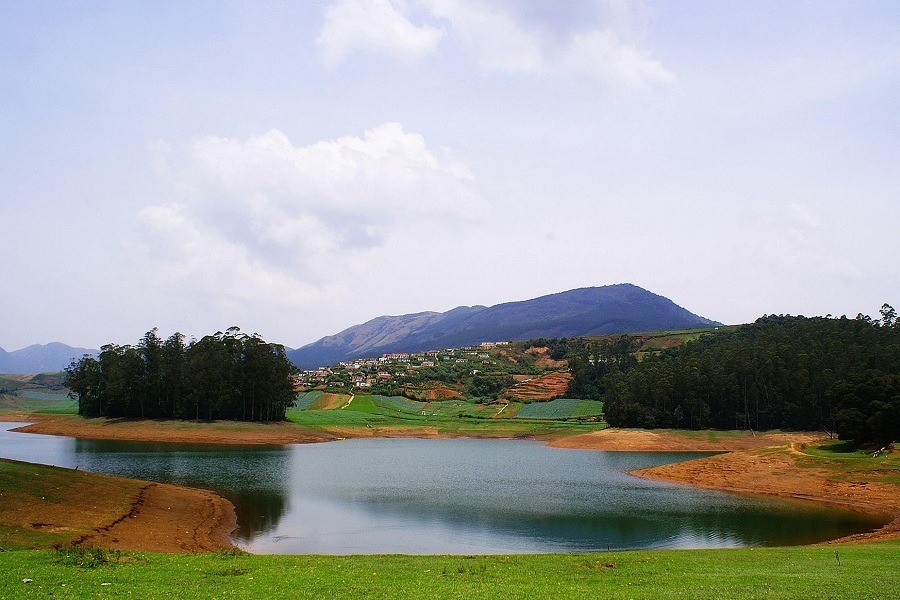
<point x="851" y="464"/>
<point x="38" y="401"/>
<point x="865" y="571"/>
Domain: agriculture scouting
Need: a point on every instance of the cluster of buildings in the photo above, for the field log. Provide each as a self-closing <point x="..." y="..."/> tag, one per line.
<point x="399" y="367"/>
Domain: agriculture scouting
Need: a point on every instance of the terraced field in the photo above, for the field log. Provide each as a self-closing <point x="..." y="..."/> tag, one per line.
<point x="545" y="387"/>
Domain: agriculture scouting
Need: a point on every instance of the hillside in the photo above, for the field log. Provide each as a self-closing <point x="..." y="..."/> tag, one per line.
<point x="622" y="308"/>
<point x="40" y="358"/>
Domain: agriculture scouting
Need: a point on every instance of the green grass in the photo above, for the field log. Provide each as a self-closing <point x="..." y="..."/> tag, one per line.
<point x="37" y="401"/>
<point x="848" y="463"/>
<point x="323" y="419"/>
<point x="402" y="404"/>
<point x="866" y="571"/>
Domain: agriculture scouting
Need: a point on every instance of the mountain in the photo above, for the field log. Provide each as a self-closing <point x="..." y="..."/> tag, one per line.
<point x="40" y="358"/>
<point x="622" y="308"/>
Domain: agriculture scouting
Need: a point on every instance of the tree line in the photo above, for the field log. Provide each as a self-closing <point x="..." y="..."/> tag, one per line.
<point x="228" y="375"/>
<point x="780" y="372"/>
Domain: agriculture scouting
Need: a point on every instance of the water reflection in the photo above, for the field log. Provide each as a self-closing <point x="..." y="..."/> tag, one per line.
<point x="252" y="478"/>
<point x="448" y="496"/>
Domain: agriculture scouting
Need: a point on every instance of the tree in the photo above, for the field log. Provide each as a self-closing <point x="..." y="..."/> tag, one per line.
<point x="774" y="373"/>
<point x="888" y="315"/>
<point x="85" y="380"/>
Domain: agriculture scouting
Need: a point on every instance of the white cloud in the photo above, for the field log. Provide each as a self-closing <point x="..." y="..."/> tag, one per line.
<point x="492" y="34"/>
<point x="264" y="218"/>
<point x="373" y="25"/>
<point x="496" y="39"/>
<point x="600" y="54"/>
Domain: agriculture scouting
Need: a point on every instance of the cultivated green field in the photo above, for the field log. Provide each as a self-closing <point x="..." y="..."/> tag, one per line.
<point x="865" y="571"/>
<point x="561" y="408"/>
<point x="456" y="417"/>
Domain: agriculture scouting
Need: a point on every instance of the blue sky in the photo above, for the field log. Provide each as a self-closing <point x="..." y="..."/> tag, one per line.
<point x="297" y="169"/>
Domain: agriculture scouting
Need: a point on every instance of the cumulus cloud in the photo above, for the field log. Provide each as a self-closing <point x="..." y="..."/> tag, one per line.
<point x="262" y="215"/>
<point x="496" y="39"/>
<point x="373" y="25"/>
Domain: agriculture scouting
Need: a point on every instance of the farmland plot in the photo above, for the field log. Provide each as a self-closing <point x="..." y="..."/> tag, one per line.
<point x="561" y="408"/>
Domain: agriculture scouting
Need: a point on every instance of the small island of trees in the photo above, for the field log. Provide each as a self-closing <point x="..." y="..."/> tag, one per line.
<point x="228" y="375"/>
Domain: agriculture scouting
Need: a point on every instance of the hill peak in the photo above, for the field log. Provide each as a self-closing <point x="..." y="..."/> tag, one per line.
<point x="618" y="308"/>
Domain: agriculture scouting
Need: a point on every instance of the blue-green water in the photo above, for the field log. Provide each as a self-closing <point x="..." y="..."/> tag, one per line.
<point x="460" y="496"/>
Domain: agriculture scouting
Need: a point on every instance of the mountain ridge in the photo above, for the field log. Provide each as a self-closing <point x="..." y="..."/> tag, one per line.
<point x="40" y="358"/>
<point x="619" y="308"/>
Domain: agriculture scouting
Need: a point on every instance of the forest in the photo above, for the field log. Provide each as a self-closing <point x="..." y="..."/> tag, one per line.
<point x="228" y="375"/>
<point x="781" y="372"/>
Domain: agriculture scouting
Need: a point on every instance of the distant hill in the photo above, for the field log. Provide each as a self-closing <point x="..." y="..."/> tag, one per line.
<point x="40" y="358"/>
<point x="622" y="308"/>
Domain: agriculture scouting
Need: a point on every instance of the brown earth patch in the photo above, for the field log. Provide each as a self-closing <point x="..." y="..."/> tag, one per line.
<point x="441" y="394"/>
<point x="545" y="387"/>
<point x="166" y="518"/>
<point x="218" y="432"/>
<point x="542" y="358"/>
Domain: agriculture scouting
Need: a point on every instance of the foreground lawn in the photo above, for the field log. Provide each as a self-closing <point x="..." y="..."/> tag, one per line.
<point x="865" y="571"/>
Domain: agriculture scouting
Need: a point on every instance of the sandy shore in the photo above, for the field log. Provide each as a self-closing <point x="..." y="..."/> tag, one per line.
<point x="664" y="440"/>
<point x="169" y="518"/>
<point x="220" y="432"/>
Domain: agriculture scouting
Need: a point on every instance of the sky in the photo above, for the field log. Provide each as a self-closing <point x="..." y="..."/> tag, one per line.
<point x="295" y="168"/>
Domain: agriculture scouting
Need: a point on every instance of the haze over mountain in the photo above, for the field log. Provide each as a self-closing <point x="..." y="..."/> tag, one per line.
<point x="40" y="358"/>
<point x="621" y="308"/>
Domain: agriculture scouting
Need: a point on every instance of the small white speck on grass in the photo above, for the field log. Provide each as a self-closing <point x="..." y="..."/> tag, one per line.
<point x="26" y="580"/>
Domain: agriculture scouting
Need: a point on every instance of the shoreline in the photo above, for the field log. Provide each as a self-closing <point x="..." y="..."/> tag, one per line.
<point x="763" y="464"/>
<point x="217" y="432"/>
<point x="236" y="433"/>
<point x="58" y="507"/>
<point x="773" y="472"/>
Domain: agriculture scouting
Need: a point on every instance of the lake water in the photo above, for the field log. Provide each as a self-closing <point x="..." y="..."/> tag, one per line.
<point x="459" y="496"/>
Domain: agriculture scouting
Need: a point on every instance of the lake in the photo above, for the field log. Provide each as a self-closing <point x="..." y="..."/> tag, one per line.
<point x="455" y="496"/>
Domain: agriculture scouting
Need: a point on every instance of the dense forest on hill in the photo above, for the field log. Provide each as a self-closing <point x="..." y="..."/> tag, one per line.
<point x="837" y="374"/>
<point x="227" y="375"/>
